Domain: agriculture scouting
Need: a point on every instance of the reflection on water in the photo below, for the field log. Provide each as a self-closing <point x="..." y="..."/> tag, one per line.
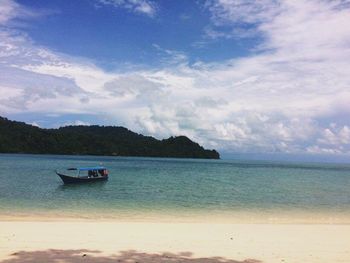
<point x="88" y="186"/>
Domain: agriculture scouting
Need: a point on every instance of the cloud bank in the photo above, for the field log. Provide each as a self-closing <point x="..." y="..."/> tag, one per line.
<point x="292" y="95"/>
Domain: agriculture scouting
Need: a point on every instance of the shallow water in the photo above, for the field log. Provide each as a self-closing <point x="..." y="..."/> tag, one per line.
<point x="150" y="187"/>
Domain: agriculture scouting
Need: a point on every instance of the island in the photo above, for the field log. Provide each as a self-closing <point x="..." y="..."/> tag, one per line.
<point x="19" y="137"/>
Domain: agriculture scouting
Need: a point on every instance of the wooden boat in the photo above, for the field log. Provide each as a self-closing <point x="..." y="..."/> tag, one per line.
<point x="84" y="175"/>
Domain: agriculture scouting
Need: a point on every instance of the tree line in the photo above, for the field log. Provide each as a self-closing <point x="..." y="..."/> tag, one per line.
<point x="19" y="137"/>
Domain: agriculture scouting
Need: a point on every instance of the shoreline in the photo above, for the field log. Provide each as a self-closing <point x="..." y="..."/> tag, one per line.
<point x="281" y="218"/>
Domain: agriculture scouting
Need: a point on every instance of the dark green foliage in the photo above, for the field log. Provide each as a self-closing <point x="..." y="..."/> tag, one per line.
<point x="19" y="137"/>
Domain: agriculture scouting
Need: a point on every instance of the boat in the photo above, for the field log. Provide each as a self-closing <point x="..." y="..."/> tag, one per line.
<point x="84" y="175"/>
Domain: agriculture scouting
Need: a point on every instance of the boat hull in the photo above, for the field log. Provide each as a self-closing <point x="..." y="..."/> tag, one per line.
<point x="78" y="180"/>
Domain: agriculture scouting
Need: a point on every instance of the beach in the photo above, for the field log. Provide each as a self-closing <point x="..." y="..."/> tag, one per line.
<point x="172" y="210"/>
<point x="93" y="241"/>
<point x="149" y="131"/>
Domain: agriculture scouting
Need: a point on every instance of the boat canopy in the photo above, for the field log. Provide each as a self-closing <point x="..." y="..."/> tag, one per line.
<point x="88" y="168"/>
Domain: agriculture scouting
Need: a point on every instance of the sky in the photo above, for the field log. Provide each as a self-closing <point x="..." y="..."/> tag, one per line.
<point x="240" y="76"/>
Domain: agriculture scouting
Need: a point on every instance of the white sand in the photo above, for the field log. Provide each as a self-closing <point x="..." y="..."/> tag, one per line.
<point x="237" y="242"/>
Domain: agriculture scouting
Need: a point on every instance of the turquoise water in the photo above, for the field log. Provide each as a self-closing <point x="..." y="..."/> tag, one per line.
<point x="179" y="187"/>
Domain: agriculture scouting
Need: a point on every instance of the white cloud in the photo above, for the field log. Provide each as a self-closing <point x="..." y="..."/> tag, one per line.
<point x="292" y="96"/>
<point x="146" y="7"/>
<point x="7" y="10"/>
<point x="35" y="124"/>
<point x="76" y="122"/>
<point x="242" y="11"/>
<point x="171" y="57"/>
<point x="335" y="136"/>
<point x="239" y="18"/>
<point x="10" y="10"/>
<point x="322" y="150"/>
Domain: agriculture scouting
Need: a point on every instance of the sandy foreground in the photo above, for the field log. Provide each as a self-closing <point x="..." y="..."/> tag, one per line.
<point x="59" y="242"/>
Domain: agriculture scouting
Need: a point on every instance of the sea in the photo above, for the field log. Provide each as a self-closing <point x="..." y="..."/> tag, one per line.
<point x="175" y="190"/>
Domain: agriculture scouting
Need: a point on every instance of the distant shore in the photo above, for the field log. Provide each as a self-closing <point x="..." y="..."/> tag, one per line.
<point x="19" y="137"/>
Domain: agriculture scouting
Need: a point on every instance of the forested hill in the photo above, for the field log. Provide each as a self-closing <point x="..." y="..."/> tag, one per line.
<point x="19" y="137"/>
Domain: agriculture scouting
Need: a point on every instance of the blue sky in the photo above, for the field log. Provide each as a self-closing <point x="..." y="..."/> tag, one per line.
<point x="266" y="76"/>
<point x="114" y="36"/>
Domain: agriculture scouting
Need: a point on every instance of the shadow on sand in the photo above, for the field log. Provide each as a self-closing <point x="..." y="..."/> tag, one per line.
<point x="94" y="256"/>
